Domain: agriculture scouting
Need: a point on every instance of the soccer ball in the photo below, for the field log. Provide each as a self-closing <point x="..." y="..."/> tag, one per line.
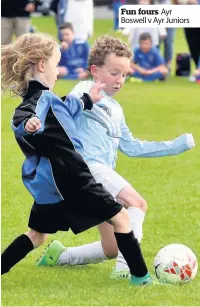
<point x="175" y="264"/>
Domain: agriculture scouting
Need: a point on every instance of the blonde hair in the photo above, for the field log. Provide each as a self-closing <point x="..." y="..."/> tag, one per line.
<point x="106" y="45"/>
<point x="19" y="58"/>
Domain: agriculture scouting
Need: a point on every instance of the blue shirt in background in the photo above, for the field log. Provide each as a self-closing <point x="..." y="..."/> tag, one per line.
<point x="149" y="59"/>
<point x="75" y="56"/>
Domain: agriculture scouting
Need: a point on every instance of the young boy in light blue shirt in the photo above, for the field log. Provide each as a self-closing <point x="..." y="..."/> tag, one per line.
<point x="103" y="131"/>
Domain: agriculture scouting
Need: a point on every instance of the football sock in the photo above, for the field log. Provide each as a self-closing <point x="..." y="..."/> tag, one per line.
<point x="130" y="249"/>
<point x="137" y="218"/>
<point x="15" y="252"/>
<point x="85" y="254"/>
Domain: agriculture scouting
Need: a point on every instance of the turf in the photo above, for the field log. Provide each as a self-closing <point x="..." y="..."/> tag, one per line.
<point x="171" y="185"/>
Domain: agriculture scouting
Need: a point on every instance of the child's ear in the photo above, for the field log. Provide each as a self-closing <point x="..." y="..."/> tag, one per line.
<point x="94" y="70"/>
<point x="41" y="65"/>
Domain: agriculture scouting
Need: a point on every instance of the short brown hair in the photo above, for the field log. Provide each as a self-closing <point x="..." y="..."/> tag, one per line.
<point x="19" y="58"/>
<point x="67" y="25"/>
<point x="106" y="45"/>
<point x="145" y="36"/>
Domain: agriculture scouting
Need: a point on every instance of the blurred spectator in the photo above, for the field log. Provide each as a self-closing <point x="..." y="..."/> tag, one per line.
<point x="196" y="74"/>
<point x="59" y="7"/>
<point x="169" y="47"/>
<point x="15" y="18"/>
<point x="157" y="34"/>
<point x="78" y="12"/>
<point x="116" y="6"/>
<point x="192" y="34"/>
<point x="74" y="55"/>
<point x="81" y="14"/>
<point x="193" y="39"/>
<point x="148" y="64"/>
<point x="169" y="38"/>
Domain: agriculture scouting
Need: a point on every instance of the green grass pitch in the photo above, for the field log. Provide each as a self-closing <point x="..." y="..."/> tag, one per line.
<point x="156" y="111"/>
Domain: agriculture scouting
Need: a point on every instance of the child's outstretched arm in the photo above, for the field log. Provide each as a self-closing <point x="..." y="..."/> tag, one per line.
<point x="29" y="122"/>
<point x="134" y="147"/>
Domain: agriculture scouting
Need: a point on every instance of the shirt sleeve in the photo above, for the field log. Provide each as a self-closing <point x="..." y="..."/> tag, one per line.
<point x="133" y="147"/>
<point x="135" y="56"/>
<point x="158" y="58"/>
<point x="74" y="106"/>
<point x="57" y="128"/>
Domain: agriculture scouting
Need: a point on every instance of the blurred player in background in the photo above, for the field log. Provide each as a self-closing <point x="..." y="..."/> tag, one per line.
<point x="15" y="18"/>
<point x="148" y="64"/>
<point x="81" y="14"/>
<point x="116" y="6"/>
<point x="74" y="54"/>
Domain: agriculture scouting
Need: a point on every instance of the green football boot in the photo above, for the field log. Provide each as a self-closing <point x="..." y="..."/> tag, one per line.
<point x="141" y="281"/>
<point x="51" y="254"/>
<point x="120" y="274"/>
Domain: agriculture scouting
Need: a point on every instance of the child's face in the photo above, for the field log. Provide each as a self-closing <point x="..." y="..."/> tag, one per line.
<point x="145" y="45"/>
<point x="113" y="73"/>
<point x="67" y="35"/>
<point x="47" y="70"/>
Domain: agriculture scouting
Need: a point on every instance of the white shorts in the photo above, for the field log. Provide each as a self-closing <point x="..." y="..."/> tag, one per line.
<point x="110" y="179"/>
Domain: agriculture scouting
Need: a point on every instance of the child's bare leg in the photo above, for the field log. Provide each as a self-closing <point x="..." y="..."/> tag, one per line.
<point x="19" y="248"/>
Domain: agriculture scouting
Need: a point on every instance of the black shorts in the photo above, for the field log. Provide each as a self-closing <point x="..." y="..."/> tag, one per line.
<point x="82" y="210"/>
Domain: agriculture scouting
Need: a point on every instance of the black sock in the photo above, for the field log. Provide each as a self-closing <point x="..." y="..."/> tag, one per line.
<point x="130" y="249"/>
<point x="15" y="252"/>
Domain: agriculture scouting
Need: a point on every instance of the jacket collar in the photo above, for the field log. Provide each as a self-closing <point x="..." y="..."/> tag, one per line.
<point x="33" y="87"/>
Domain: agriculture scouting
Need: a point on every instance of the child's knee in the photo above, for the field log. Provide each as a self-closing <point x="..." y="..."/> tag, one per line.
<point x="130" y="201"/>
<point x="139" y="203"/>
<point x="143" y="205"/>
<point x="37" y="238"/>
<point x="121" y="221"/>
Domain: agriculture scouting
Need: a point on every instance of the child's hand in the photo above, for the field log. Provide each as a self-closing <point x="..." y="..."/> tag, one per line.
<point x="64" y="45"/>
<point x="145" y="72"/>
<point x="33" y="124"/>
<point x="30" y="7"/>
<point x="79" y="70"/>
<point x="163" y="70"/>
<point x="95" y="91"/>
<point x="83" y="75"/>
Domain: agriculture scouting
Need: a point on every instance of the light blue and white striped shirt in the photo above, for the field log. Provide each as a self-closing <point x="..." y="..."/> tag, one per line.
<point x="103" y="131"/>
